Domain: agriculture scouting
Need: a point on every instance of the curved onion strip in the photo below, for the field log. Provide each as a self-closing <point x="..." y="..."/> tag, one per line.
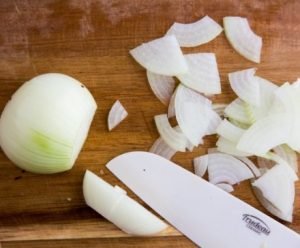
<point x="193" y="112"/>
<point x="242" y="38"/>
<point x="265" y="134"/>
<point x="174" y="139"/>
<point x="277" y="186"/>
<point x="245" y="85"/>
<point x="171" y="107"/>
<point x="161" y="56"/>
<point x="188" y="145"/>
<point x="271" y="208"/>
<point x="229" y="131"/>
<point x="116" y="115"/>
<point x="203" y="75"/>
<point x="200" y="165"/>
<point x="196" y="33"/>
<point x="219" y="108"/>
<point x="161" y="148"/>
<point x="162" y="86"/>
<point x="226" y="187"/>
<point x="236" y="110"/>
<point x="229" y="147"/>
<point x="287" y="154"/>
<point x="225" y="168"/>
<point x="251" y="165"/>
<point x="214" y="122"/>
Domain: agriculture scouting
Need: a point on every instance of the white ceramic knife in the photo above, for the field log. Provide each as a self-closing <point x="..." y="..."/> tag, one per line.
<point x="207" y="215"/>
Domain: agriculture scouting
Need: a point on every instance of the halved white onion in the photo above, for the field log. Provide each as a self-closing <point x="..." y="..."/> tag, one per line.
<point x="203" y="75"/>
<point x="226" y="146"/>
<point x="162" y="86"/>
<point x="176" y="140"/>
<point x="237" y="110"/>
<point x="116" y="115"/>
<point x="44" y="126"/>
<point x="196" y="33"/>
<point x="287" y="154"/>
<point x="242" y="38"/>
<point x="226" y="187"/>
<point x="245" y="85"/>
<point x="229" y="131"/>
<point x="160" y="147"/>
<point x="200" y="165"/>
<point x="223" y="168"/>
<point x="193" y="112"/>
<point x="277" y="186"/>
<point x="161" y="56"/>
<point x="114" y="204"/>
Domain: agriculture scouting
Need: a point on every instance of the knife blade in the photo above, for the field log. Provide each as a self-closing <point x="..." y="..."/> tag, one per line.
<point x="207" y="215"/>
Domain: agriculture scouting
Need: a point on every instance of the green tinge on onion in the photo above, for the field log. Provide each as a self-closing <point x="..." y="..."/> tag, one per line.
<point x="44" y="126"/>
<point x="236" y="110"/>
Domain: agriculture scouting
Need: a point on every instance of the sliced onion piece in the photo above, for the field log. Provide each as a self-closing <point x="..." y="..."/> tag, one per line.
<point x="176" y="140"/>
<point x="229" y="131"/>
<point x="161" y="56"/>
<point x="265" y="134"/>
<point x="196" y="33"/>
<point x="200" y="165"/>
<point x="171" y="107"/>
<point x="114" y="204"/>
<point x="245" y="85"/>
<point x="256" y="172"/>
<point x="160" y="147"/>
<point x="162" y="86"/>
<point x="215" y="121"/>
<point x="203" y="75"/>
<point x="242" y="38"/>
<point x="116" y="115"/>
<point x="237" y="110"/>
<point x="287" y="154"/>
<point x="193" y="113"/>
<point x="223" y="168"/>
<point x="277" y="186"/>
<point x="226" y="187"/>
<point x="229" y="147"/>
<point x="188" y="145"/>
<point x="219" y="108"/>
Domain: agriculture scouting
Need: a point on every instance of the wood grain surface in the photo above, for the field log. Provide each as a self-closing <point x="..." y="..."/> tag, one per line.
<point x="90" y="40"/>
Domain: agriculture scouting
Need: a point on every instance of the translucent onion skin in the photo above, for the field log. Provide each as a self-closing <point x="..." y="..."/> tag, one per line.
<point x="44" y="125"/>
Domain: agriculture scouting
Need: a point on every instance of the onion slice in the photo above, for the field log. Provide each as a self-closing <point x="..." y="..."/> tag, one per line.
<point x="236" y="110"/>
<point x="215" y="121"/>
<point x="203" y="75"/>
<point x="116" y="115"/>
<point x="114" y="204"/>
<point x="161" y="56"/>
<point x="226" y="187"/>
<point x="176" y="140"/>
<point x="287" y="154"/>
<point x="245" y="85"/>
<point x="171" y="107"/>
<point x="242" y="38"/>
<point x="200" y="165"/>
<point x="196" y="33"/>
<point x="256" y="172"/>
<point x="161" y="148"/>
<point x="226" y="146"/>
<point x="229" y="131"/>
<point x="193" y="113"/>
<point x="223" y="168"/>
<point x="162" y="86"/>
<point x="219" y="108"/>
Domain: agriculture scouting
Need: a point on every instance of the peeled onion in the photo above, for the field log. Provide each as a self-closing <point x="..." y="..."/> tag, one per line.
<point x="44" y="125"/>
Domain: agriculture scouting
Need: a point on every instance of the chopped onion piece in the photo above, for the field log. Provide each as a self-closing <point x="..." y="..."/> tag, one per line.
<point x="160" y="147"/>
<point x="256" y="172"/>
<point x="215" y="121"/>
<point x="229" y="131"/>
<point x="242" y="38"/>
<point x="162" y="86"/>
<point x="226" y="187"/>
<point x="193" y="113"/>
<point x="277" y="186"/>
<point x="219" y="108"/>
<point x="229" y="147"/>
<point x="116" y="115"/>
<point x="200" y="165"/>
<point x="171" y="107"/>
<point x="203" y="75"/>
<point x="265" y="134"/>
<point x="161" y="56"/>
<point x="176" y="140"/>
<point x="188" y="145"/>
<point x="237" y="110"/>
<point x="114" y="204"/>
<point x="196" y="33"/>
<point x="246" y="86"/>
<point x="223" y="168"/>
<point x="287" y="154"/>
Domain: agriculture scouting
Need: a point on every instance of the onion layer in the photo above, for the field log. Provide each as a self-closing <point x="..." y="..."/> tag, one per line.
<point x="116" y="115"/>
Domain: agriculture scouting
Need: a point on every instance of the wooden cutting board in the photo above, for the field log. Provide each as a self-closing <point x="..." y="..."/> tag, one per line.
<point x="90" y="40"/>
